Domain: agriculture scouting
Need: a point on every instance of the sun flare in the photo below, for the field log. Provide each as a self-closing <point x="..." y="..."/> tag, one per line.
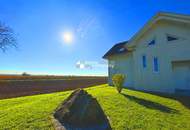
<point x="67" y="37"/>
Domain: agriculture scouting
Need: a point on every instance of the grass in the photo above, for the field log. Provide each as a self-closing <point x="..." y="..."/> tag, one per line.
<point x="129" y="110"/>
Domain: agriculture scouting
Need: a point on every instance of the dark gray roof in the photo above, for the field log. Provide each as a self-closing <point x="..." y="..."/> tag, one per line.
<point x="118" y="48"/>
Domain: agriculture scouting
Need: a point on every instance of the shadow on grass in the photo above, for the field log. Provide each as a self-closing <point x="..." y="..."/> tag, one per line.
<point x="151" y="104"/>
<point x="184" y="100"/>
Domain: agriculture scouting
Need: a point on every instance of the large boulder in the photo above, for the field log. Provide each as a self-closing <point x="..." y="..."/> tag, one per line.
<point x="81" y="111"/>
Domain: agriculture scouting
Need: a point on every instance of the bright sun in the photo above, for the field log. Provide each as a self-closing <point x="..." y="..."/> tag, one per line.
<point x="67" y="37"/>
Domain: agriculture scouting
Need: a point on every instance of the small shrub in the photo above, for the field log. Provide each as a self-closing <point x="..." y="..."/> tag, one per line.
<point x="118" y="80"/>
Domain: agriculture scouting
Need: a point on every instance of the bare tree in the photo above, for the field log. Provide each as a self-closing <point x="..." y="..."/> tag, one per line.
<point x="7" y="37"/>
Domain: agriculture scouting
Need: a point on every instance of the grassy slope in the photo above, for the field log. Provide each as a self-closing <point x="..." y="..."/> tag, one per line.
<point x="132" y="110"/>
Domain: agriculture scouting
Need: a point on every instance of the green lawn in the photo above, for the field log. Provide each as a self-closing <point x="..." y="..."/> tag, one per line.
<point x="129" y="110"/>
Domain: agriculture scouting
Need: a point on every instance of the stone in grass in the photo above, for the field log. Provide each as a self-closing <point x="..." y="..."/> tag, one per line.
<point x="80" y="111"/>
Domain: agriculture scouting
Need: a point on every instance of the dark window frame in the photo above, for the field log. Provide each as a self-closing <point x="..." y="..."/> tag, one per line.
<point x="171" y="38"/>
<point x="144" y="61"/>
<point x="155" y="64"/>
<point x="152" y="42"/>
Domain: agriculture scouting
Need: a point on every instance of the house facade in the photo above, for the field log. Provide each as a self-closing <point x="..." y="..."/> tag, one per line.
<point x="157" y="58"/>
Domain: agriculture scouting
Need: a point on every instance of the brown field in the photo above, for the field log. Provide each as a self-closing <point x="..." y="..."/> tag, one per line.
<point x="40" y="77"/>
<point x="16" y="86"/>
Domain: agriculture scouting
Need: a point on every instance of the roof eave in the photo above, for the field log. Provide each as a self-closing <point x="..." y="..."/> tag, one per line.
<point x="158" y="17"/>
<point x="109" y="56"/>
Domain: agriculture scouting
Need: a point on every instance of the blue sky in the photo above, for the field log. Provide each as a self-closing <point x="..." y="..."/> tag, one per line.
<point x="96" y="26"/>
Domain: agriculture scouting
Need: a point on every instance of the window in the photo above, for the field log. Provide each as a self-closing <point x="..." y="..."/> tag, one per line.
<point x="111" y="64"/>
<point x="171" y="38"/>
<point x="121" y="49"/>
<point x="152" y="42"/>
<point x="144" y="61"/>
<point x="155" y="62"/>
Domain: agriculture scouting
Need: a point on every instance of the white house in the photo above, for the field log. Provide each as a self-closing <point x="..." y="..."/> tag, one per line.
<point x="156" y="58"/>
